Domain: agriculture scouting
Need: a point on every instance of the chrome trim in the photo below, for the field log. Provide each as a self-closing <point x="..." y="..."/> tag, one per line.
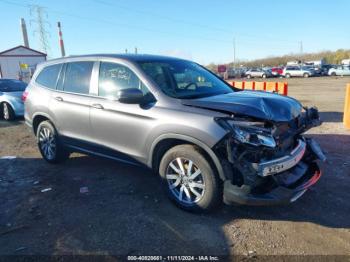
<point x="284" y="163"/>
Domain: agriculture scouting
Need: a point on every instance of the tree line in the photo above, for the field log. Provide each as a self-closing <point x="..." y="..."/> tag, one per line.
<point x="330" y="57"/>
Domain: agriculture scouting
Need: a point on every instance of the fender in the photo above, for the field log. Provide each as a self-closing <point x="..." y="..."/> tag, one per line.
<point x="192" y="140"/>
<point x="39" y="114"/>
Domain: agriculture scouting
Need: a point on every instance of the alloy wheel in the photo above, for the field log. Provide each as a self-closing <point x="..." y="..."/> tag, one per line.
<point x="185" y="181"/>
<point x="6" y="111"/>
<point x="47" y="143"/>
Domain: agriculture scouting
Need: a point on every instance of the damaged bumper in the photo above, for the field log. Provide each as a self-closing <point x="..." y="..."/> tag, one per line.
<point x="288" y="177"/>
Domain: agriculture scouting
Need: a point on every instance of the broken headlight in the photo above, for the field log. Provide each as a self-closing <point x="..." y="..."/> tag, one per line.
<point x="252" y="133"/>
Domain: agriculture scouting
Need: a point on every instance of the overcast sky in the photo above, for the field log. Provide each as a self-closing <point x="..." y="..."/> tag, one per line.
<point x="200" y="30"/>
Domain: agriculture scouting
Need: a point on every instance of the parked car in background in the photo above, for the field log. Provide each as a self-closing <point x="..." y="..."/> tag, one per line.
<point x="339" y="71"/>
<point x="11" y="104"/>
<point x="252" y="73"/>
<point x="208" y="142"/>
<point x="277" y="71"/>
<point x="297" y="71"/>
<point x="315" y="69"/>
<point x="233" y="73"/>
<point x="325" y="69"/>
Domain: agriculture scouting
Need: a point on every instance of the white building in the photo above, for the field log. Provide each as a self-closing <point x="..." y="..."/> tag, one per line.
<point x="20" y="62"/>
<point x="345" y="62"/>
<point x="315" y="63"/>
<point x="293" y="63"/>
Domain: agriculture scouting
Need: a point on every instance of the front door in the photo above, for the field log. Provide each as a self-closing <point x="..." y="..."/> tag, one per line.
<point x="121" y="127"/>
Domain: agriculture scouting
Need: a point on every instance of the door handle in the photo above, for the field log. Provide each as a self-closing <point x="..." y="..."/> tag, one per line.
<point x="58" y="98"/>
<point x="97" y="106"/>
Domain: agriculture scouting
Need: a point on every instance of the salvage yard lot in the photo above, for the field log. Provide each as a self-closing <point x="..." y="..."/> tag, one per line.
<point x="125" y="211"/>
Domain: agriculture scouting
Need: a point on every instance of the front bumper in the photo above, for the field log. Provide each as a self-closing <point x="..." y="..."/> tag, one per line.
<point x="289" y="184"/>
<point x="279" y="195"/>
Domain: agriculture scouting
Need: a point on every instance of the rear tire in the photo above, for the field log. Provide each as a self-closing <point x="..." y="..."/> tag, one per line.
<point x="7" y="112"/>
<point x="50" y="147"/>
<point x="189" y="180"/>
<point x="249" y="76"/>
<point x="264" y="76"/>
<point x="306" y="75"/>
<point x="288" y="75"/>
<point x="334" y="74"/>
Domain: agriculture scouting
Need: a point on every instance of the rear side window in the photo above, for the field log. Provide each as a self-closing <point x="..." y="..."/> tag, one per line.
<point x="48" y="76"/>
<point x="77" y="77"/>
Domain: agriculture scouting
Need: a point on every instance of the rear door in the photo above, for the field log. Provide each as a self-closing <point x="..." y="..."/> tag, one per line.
<point x="70" y="102"/>
<point x="255" y="73"/>
<point x="346" y="71"/>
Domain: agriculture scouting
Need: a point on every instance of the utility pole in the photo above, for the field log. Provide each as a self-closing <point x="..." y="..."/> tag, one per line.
<point x="126" y="51"/>
<point x="135" y="50"/>
<point x="63" y="52"/>
<point x="234" y="52"/>
<point x="39" y="13"/>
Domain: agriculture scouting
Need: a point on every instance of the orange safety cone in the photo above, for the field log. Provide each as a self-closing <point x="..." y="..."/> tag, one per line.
<point x="346" y="117"/>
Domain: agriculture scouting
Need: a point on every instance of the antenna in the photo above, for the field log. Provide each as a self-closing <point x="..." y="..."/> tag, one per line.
<point x="39" y="13"/>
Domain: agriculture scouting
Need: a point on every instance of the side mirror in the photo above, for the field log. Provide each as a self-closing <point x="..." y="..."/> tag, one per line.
<point x="130" y="96"/>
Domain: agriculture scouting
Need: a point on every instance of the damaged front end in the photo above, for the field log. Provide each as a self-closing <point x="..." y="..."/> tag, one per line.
<point x="268" y="162"/>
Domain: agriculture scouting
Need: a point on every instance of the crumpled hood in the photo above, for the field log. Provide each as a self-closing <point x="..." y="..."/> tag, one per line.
<point x="262" y="105"/>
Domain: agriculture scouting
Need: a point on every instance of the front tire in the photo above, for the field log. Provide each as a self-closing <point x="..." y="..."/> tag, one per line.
<point x="189" y="179"/>
<point x="288" y="75"/>
<point x="49" y="144"/>
<point x="7" y="112"/>
<point x="306" y="75"/>
<point x="249" y="76"/>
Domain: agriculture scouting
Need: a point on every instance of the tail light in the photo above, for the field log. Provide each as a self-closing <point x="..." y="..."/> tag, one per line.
<point x="24" y="96"/>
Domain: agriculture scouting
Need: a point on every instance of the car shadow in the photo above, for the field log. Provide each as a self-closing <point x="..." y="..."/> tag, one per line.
<point x="90" y="205"/>
<point x="16" y="122"/>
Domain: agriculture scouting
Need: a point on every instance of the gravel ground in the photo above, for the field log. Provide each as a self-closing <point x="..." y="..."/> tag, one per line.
<point x="125" y="211"/>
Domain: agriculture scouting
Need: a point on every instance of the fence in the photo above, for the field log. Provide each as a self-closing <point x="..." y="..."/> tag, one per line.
<point x="276" y="87"/>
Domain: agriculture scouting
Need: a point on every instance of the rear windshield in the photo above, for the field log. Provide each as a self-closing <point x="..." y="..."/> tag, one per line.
<point x="12" y="86"/>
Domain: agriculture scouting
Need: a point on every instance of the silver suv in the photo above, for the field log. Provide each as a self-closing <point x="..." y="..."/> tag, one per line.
<point x="301" y="71"/>
<point x="258" y="73"/>
<point x="207" y="141"/>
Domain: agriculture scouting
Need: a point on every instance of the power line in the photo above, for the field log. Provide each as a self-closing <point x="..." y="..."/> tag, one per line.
<point x="159" y="16"/>
<point x="260" y="41"/>
<point x="163" y="17"/>
<point x="124" y="25"/>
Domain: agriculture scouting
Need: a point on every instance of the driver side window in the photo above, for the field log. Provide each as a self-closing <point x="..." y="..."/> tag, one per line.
<point x="114" y="77"/>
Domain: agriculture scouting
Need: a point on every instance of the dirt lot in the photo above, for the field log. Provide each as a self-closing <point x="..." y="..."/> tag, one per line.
<point x="126" y="212"/>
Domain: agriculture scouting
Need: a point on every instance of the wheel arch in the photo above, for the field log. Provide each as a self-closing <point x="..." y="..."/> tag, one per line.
<point x="7" y="102"/>
<point x="167" y="141"/>
<point x="38" y="118"/>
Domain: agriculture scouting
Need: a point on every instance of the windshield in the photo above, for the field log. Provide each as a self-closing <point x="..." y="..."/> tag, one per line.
<point x="184" y="79"/>
<point x="12" y="86"/>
